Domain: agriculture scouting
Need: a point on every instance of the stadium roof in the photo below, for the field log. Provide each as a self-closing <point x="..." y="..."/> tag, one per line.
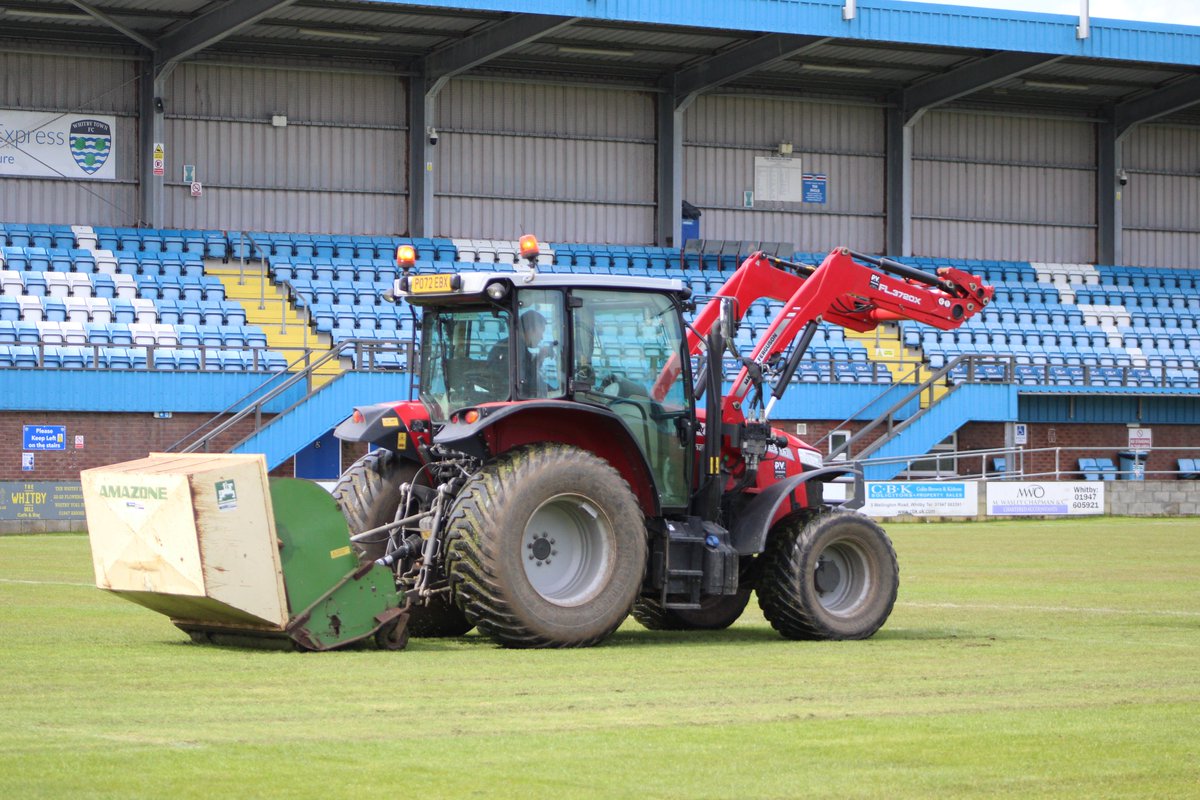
<point x="799" y="48"/>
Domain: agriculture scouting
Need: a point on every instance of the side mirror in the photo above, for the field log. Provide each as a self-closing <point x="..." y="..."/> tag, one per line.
<point x="728" y="321"/>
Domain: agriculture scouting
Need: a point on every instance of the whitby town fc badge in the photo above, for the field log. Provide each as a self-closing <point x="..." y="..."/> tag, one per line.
<point x="91" y="142"/>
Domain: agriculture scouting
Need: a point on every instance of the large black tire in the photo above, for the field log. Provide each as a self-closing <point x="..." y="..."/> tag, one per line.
<point x="546" y="547"/>
<point x="833" y="576"/>
<point x="369" y="494"/>
<point x="715" y="614"/>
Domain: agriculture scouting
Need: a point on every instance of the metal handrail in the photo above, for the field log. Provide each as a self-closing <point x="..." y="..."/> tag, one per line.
<point x="888" y="416"/>
<point x="304" y="374"/>
<point x="902" y="381"/>
<point x="1057" y="473"/>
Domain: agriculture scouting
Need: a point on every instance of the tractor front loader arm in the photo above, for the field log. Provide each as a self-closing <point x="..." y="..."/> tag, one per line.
<point x="842" y="291"/>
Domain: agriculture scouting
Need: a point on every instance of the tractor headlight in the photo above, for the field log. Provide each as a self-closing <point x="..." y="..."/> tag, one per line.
<point x="811" y="459"/>
<point x="497" y="290"/>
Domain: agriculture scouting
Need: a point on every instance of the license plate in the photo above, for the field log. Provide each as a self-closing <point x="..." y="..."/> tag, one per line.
<point x="428" y="284"/>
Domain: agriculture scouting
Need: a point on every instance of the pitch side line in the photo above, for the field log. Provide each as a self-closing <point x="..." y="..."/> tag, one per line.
<point x="1051" y="609"/>
<point x="46" y="583"/>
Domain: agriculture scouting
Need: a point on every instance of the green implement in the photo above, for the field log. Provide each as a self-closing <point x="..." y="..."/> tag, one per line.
<point x="233" y="558"/>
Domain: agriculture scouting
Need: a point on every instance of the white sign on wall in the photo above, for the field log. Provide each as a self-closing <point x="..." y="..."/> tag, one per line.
<point x="1035" y="498"/>
<point x="1140" y="439"/>
<point x="929" y="499"/>
<point x="46" y="144"/>
<point x="779" y="179"/>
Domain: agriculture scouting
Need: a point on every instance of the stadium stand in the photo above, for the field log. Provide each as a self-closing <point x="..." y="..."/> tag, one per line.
<point x="127" y="298"/>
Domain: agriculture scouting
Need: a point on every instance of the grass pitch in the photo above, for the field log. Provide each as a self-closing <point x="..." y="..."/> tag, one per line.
<point x="1024" y="659"/>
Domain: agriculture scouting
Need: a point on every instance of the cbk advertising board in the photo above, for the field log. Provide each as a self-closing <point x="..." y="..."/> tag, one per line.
<point x="54" y="145"/>
<point x="922" y="499"/>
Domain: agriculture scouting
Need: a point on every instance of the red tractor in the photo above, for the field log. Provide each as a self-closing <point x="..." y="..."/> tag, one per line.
<point x="571" y="458"/>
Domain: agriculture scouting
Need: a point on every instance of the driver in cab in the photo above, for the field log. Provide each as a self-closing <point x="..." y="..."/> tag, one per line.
<point x="531" y="352"/>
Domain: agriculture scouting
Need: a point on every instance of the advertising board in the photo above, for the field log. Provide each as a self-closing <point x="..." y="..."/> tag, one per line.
<point x="1048" y="498"/>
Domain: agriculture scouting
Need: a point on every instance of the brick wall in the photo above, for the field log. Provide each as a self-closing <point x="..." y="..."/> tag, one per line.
<point x="110" y="438"/>
<point x="1070" y="437"/>
<point x="107" y="439"/>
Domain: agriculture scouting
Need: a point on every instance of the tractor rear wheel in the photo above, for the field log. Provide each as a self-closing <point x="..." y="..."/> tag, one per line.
<point x="716" y="613"/>
<point x="546" y="547"/>
<point x="369" y="494"/>
<point x="832" y="576"/>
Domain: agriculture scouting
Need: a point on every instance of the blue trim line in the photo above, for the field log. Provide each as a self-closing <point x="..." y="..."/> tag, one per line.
<point x="880" y="20"/>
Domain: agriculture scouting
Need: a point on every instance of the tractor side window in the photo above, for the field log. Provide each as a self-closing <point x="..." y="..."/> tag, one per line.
<point x="455" y="371"/>
<point x="623" y="342"/>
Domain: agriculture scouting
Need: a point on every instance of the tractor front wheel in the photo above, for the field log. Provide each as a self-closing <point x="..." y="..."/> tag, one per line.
<point x="833" y="576"/>
<point x="546" y="547"/>
<point x="368" y="494"/>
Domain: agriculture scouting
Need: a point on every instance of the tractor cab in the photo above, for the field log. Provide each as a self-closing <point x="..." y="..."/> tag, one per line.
<point x="491" y="340"/>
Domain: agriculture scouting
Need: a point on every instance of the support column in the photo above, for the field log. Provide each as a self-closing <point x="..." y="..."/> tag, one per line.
<point x="898" y="238"/>
<point x="418" y="157"/>
<point x="1109" y="247"/>
<point x="151" y="129"/>
<point x="670" y="168"/>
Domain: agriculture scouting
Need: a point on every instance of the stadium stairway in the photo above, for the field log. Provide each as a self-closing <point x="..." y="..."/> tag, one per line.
<point x="966" y="402"/>
<point x="285" y="328"/>
<point x="292" y="431"/>
<point x="885" y="346"/>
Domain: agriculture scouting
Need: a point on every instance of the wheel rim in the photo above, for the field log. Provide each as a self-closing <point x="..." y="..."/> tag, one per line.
<point x="567" y="549"/>
<point x="842" y="577"/>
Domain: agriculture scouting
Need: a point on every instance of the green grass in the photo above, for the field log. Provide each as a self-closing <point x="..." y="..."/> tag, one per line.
<point x="1024" y="659"/>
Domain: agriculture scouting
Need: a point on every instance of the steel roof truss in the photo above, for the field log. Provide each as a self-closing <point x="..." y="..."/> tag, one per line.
<point x="491" y="42"/>
<point x="210" y="28"/>
<point x="740" y="61"/>
<point x="1160" y="102"/>
<point x="966" y="80"/>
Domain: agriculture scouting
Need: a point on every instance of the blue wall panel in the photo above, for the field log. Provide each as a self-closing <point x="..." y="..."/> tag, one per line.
<point x="100" y="390"/>
<point x="1163" y="410"/>
<point x="805" y="401"/>
<point x="879" y="20"/>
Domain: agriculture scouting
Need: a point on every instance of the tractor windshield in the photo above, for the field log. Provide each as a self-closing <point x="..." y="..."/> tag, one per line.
<point x="455" y="369"/>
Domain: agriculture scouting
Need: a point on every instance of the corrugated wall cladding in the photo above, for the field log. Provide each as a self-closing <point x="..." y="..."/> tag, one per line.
<point x="987" y="186"/>
<point x="1161" y="203"/>
<point x="994" y="193"/>
<point x="230" y="208"/>
<point x="68" y="83"/>
<point x="550" y="169"/>
<point x="305" y="96"/>
<point x="1161" y="249"/>
<point x="62" y="202"/>
<point x="1005" y="242"/>
<point x="295" y="157"/>
<point x="991" y="138"/>
<point x="568" y="111"/>
<point x="809" y="232"/>
<point x="594" y="223"/>
<point x="764" y="123"/>
<point x="722" y="137"/>
<point x="568" y="163"/>
<point x="338" y="165"/>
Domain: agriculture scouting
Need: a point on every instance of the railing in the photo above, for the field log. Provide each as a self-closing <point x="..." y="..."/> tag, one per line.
<point x="254" y="401"/>
<point x="888" y="417"/>
<point x="1017" y="458"/>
